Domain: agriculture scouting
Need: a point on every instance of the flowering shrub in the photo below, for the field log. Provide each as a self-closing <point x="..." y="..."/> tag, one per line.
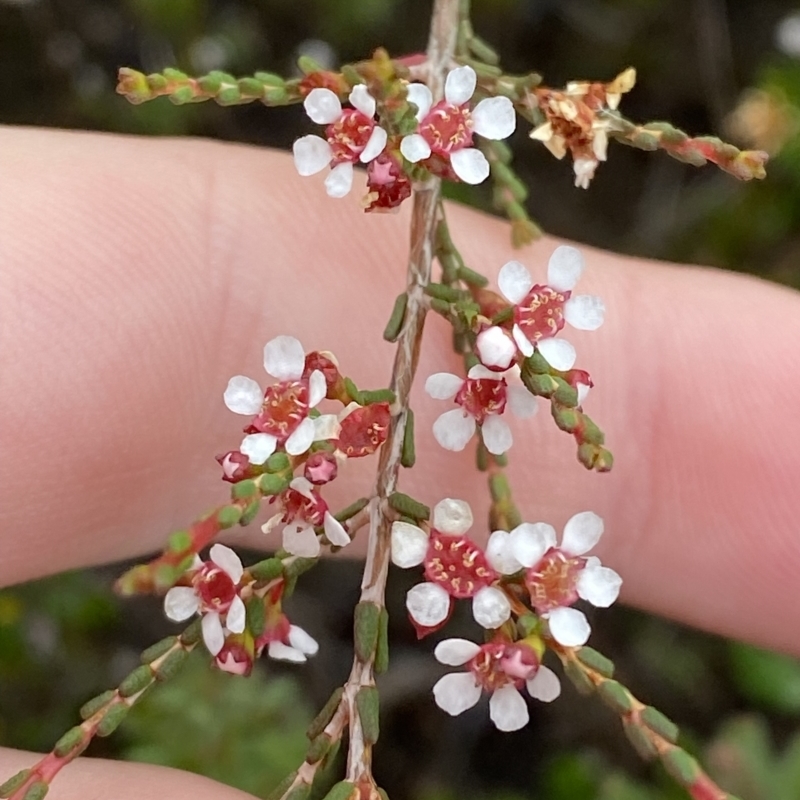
<point x="413" y="123"/>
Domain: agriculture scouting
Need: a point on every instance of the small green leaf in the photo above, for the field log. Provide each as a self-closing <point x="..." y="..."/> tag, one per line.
<point x="365" y="629"/>
<point x="136" y="682"/>
<point x="158" y="649"/>
<point x="395" y="323"/>
<point x="91" y="707"/>
<point x="325" y="715"/>
<point x="112" y="719"/>
<point x="70" y="741"/>
<point x="368" y="706"/>
<point x="13" y="783"/>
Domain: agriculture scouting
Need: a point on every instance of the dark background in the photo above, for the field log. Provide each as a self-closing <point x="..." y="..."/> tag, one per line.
<point x="732" y="69"/>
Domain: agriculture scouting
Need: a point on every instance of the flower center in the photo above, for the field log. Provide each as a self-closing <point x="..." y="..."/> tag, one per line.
<point x="310" y="509"/>
<point x="500" y="664"/>
<point x="215" y="588"/>
<point x="364" y="430"/>
<point x="457" y="564"/>
<point x="541" y="314"/>
<point x="482" y="397"/>
<point x="348" y="136"/>
<point x="285" y="407"/>
<point x="552" y="582"/>
<point x="447" y="127"/>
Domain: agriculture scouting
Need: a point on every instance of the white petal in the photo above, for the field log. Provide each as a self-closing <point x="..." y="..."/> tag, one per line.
<point x="374" y="146"/>
<point x="496" y="435"/>
<point x="414" y="148"/>
<point x="522" y="403"/>
<point x="311" y="155"/>
<point x="326" y="426"/>
<point x="243" y="395"/>
<point x="317" y="388"/>
<point x="180" y="603"/>
<point x="420" y="95"/>
<point x="568" y="626"/>
<point x="499" y="555"/>
<point x="459" y="85"/>
<point x="599" y="585"/>
<point x="529" y="541"/>
<point x="564" y="268"/>
<point x="302" y="641"/>
<point x="299" y="539"/>
<point x="443" y="385"/>
<point x="284" y="358"/>
<point x="323" y="106"/>
<point x="302" y="438"/>
<point x="339" y="180"/>
<point x="409" y="545"/>
<point x="428" y="604"/>
<point x="494" y="118"/>
<point x="544" y="685"/>
<point x="481" y="373"/>
<point x="236" y="616"/>
<point x="282" y="652"/>
<point x="455" y="652"/>
<point x="361" y="99"/>
<point x="508" y="709"/>
<point x="470" y="165"/>
<point x="583" y="392"/>
<point x="227" y="561"/>
<point x="495" y="347"/>
<point x="258" y="447"/>
<point x="457" y="692"/>
<point x="584" y="312"/>
<point x="558" y="353"/>
<point x="522" y="341"/>
<point x="335" y="531"/>
<point x="514" y="281"/>
<point x="302" y="485"/>
<point x="452" y="516"/>
<point x="581" y="533"/>
<point x="213" y="634"/>
<point x="490" y="607"/>
<point x="454" y="429"/>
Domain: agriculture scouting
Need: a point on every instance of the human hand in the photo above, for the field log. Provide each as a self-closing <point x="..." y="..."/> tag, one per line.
<point x="136" y="276"/>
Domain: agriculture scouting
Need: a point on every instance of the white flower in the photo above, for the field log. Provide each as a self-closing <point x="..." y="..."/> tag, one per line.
<point x="308" y="510"/>
<point x="352" y="136"/>
<point x="282" y="411"/>
<point x="558" y="575"/>
<point x="455" y="567"/>
<point x="300" y="646"/>
<point x="446" y="129"/>
<point x="482" y="398"/>
<point x="214" y="595"/>
<point x="541" y="311"/>
<point x="492" y="665"/>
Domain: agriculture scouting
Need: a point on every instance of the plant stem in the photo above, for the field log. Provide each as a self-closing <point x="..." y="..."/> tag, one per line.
<point x="425" y="217"/>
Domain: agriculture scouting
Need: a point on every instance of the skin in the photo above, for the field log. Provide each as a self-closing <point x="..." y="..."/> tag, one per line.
<point x="137" y="276"/>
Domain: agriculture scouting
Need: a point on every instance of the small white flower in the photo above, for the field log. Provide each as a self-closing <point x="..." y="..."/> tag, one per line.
<point x="482" y="398"/>
<point x="352" y="135"/>
<point x="541" y="311"/>
<point x="446" y="128"/>
<point x="558" y="575"/>
<point x="214" y="595"/>
<point x="284" y="359"/>
<point x="487" y="665"/>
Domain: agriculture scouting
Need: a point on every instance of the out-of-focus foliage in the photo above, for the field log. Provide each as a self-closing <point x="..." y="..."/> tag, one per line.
<point x="248" y="733"/>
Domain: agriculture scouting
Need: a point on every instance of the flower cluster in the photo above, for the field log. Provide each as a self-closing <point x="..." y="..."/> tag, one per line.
<point x="216" y="591"/>
<point x="442" y="141"/>
<point x="575" y="122"/>
<point x="285" y="419"/>
<point x="524" y="562"/>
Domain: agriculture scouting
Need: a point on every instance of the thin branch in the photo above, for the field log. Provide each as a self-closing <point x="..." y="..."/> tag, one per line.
<point x="441" y="48"/>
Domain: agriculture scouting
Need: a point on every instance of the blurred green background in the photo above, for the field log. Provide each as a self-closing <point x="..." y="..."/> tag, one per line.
<point x="707" y="66"/>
